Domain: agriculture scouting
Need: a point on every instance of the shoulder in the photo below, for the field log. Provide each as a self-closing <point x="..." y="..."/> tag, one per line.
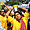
<point x="1" y="16"/>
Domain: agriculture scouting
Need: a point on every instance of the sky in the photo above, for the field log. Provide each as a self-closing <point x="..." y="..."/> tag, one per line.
<point x="3" y="0"/>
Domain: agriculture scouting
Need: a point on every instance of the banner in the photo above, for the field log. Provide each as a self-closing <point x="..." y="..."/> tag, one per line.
<point x="25" y="5"/>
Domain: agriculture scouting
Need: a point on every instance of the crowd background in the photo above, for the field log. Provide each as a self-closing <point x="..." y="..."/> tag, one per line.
<point x="10" y="5"/>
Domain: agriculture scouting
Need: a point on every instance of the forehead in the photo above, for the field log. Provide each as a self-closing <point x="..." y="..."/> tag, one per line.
<point x="17" y="14"/>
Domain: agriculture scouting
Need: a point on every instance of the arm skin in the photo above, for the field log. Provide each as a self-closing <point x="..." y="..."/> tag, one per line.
<point x="6" y="6"/>
<point x="24" y="9"/>
<point x="8" y="11"/>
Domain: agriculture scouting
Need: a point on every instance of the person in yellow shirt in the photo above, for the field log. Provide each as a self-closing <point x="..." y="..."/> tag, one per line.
<point x="3" y="20"/>
<point x="18" y="23"/>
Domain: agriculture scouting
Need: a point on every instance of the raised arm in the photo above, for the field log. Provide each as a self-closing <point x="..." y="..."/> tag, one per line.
<point x="24" y="9"/>
<point x="7" y="14"/>
<point x="6" y="6"/>
<point x="8" y="9"/>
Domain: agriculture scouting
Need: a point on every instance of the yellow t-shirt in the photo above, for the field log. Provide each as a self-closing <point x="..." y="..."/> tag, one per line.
<point x="16" y="24"/>
<point x="3" y="21"/>
<point x="25" y="18"/>
<point x="1" y="18"/>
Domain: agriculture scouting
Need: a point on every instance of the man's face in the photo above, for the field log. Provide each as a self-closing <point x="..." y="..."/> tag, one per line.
<point x="18" y="16"/>
<point x="3" y="13"/>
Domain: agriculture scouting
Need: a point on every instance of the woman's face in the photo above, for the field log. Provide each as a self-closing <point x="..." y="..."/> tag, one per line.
<point x="18" y="16"/>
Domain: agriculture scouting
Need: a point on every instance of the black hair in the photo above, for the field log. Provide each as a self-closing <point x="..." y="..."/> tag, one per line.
<point x="20" y="9"/>
<point x="18" y="12"/>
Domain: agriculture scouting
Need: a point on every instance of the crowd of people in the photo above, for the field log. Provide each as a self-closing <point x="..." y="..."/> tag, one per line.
<point x="15" y="18"/>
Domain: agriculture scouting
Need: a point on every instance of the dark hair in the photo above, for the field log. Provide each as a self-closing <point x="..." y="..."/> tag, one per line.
<point x="20" y="9"/>
<point x="18" y="12"/>
<point x="29" y="10"/>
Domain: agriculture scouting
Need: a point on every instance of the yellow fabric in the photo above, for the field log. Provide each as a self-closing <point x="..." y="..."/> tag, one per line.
<point x="1" y="17"/>
<point x="15" y="6"/>
<point x="16" y="24"/>
<point x="25" y="18"/>
<point x="3" y="21"/>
